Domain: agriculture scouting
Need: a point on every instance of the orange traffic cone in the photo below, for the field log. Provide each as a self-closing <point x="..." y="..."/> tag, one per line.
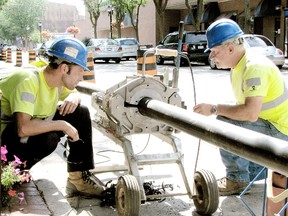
<point x="3" y="55"/>
<point x="9" y="56"/>
<point x="18" y="58"/>
<point x="150" y="63"/>
<point x="32" y="56"/>
<point x="89" y="76"/>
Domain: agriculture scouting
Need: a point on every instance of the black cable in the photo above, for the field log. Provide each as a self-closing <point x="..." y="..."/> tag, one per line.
<point x="195" y="102"/>
<point x="109" y="159"/>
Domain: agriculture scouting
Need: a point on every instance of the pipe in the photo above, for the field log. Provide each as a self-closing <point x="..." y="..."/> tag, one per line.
<point x="259" y="148"/>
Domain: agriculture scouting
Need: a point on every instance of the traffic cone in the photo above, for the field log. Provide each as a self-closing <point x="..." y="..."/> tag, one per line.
<point x="18" y="58"/>
<point x="9" y="56"/>
<point x="32" y="56"/>
<point x="3" y="55"/>
<point x="89" y="76"/>
<point x="150" y="63"/>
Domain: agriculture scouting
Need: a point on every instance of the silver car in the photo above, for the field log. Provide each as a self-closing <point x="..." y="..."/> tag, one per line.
<point x="105" y="49"/>
<point x="129" y="47"/>
<point x="261" y="44"/>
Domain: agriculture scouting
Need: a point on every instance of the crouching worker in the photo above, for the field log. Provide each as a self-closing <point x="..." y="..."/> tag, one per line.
<point x="41" y="106"/>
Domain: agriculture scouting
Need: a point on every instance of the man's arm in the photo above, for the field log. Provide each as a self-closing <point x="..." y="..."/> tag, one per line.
<point x="30" y="127"/>
<point x="249" y="111"/>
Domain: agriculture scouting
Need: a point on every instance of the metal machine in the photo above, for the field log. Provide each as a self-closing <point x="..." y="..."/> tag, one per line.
<point x="118" y="118"/>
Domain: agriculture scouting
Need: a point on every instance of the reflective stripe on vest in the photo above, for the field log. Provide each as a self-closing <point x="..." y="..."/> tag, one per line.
<point x="277" y="101"/>
<point x="270" y="104"/>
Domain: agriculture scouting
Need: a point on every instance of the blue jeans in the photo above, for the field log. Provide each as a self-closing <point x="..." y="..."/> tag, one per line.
<point x="239" y="169"/>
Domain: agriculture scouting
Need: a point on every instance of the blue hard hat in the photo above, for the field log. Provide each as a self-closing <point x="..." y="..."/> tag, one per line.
<point x="70" y="49"/>
<point x="220" y="31"/>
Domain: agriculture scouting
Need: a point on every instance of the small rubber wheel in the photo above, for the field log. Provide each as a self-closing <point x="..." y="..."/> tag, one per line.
<point x="128" y="197"/>
<point x="206" y="199"/>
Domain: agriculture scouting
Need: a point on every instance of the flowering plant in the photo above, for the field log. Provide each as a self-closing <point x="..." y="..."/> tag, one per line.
<point x="46" y="35"/>
<point x="10" y="176"/>
<point x="73" y="30"/>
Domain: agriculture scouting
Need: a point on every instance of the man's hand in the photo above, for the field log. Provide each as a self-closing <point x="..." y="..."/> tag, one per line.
<point x="69" y="105"/>
<point x="71" y="132"/>
<point x="203" y="108"/>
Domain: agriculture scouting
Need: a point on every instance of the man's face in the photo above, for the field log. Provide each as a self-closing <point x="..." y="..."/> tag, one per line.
<point x="72" y="77"/>
<point x="220" y="55"/>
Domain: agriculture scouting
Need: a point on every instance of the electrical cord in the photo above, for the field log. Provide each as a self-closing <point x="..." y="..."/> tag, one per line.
<point x="121" y="152"/>
<point x="195" y="102"/>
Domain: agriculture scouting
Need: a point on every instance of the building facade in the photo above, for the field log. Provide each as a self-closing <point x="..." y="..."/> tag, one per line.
<point x="266" y="17"/>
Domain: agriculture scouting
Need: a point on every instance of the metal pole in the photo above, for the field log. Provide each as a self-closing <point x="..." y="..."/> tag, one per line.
<point x="259" y="148"/>
<point x="179" y="48"/>
<point x="40" y="30"/>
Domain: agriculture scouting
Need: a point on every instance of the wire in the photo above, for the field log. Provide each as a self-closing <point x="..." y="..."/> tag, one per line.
<point x="121" y="152"/>
<point x="145" y="145"/>
<point x="195" y="102"/>
<point x="104" y="156"/>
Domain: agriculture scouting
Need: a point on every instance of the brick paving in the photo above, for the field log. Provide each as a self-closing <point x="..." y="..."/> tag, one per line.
<point x="33" y="203"/>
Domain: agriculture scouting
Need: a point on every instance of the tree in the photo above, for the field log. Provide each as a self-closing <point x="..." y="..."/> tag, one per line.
<point x="19" y="18"/>
<point x="195" y="20"/>
<point x="2" y="3"/>
<point x="247" y="12"/>
<point x="120" y="12"/>
<point x="133" y="10"/>
<point x="93" y="7"/>
<point x="160" y="6"/>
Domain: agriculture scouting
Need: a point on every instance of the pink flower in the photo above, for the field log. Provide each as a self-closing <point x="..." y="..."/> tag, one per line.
<point x="12" y="193"/>
<point x="21" y="197"/>
<point x="25" y="177"/>
<point x="17" y="171"/>
<point x="17" y="161"/>
<point x="3" y="153"/>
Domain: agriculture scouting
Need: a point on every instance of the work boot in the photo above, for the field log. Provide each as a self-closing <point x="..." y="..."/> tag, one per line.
<point x="227" y="187"/>
<point x="82" y="183"/>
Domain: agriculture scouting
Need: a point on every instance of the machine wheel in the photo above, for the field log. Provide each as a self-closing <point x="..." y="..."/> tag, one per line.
<point x="128" y="197"/>
<point x="206" y="199"/>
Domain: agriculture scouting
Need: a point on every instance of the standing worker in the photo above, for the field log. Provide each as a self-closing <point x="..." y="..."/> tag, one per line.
<point x="261" y="99"/>
<point x="41" y="106"/>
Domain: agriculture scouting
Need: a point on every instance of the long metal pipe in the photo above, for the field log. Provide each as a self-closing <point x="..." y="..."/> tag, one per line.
<point x="259" y="148"/>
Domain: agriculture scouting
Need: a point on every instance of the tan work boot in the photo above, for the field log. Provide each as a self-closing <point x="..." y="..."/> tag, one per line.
<point x="82" y="183"/>
<point x="227" y="187"/>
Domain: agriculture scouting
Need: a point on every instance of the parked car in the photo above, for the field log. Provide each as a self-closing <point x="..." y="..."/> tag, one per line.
<point x="11" y="47"/>
<point x="105" y="49"/>
<point x="193" y="46"/>
<point x="263" y="45"/>
<point x="41" y="49"/>
<point x="129" y="47"/>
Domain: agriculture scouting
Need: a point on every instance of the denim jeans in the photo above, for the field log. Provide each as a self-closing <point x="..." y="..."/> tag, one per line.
<point x="239" y="169"/>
